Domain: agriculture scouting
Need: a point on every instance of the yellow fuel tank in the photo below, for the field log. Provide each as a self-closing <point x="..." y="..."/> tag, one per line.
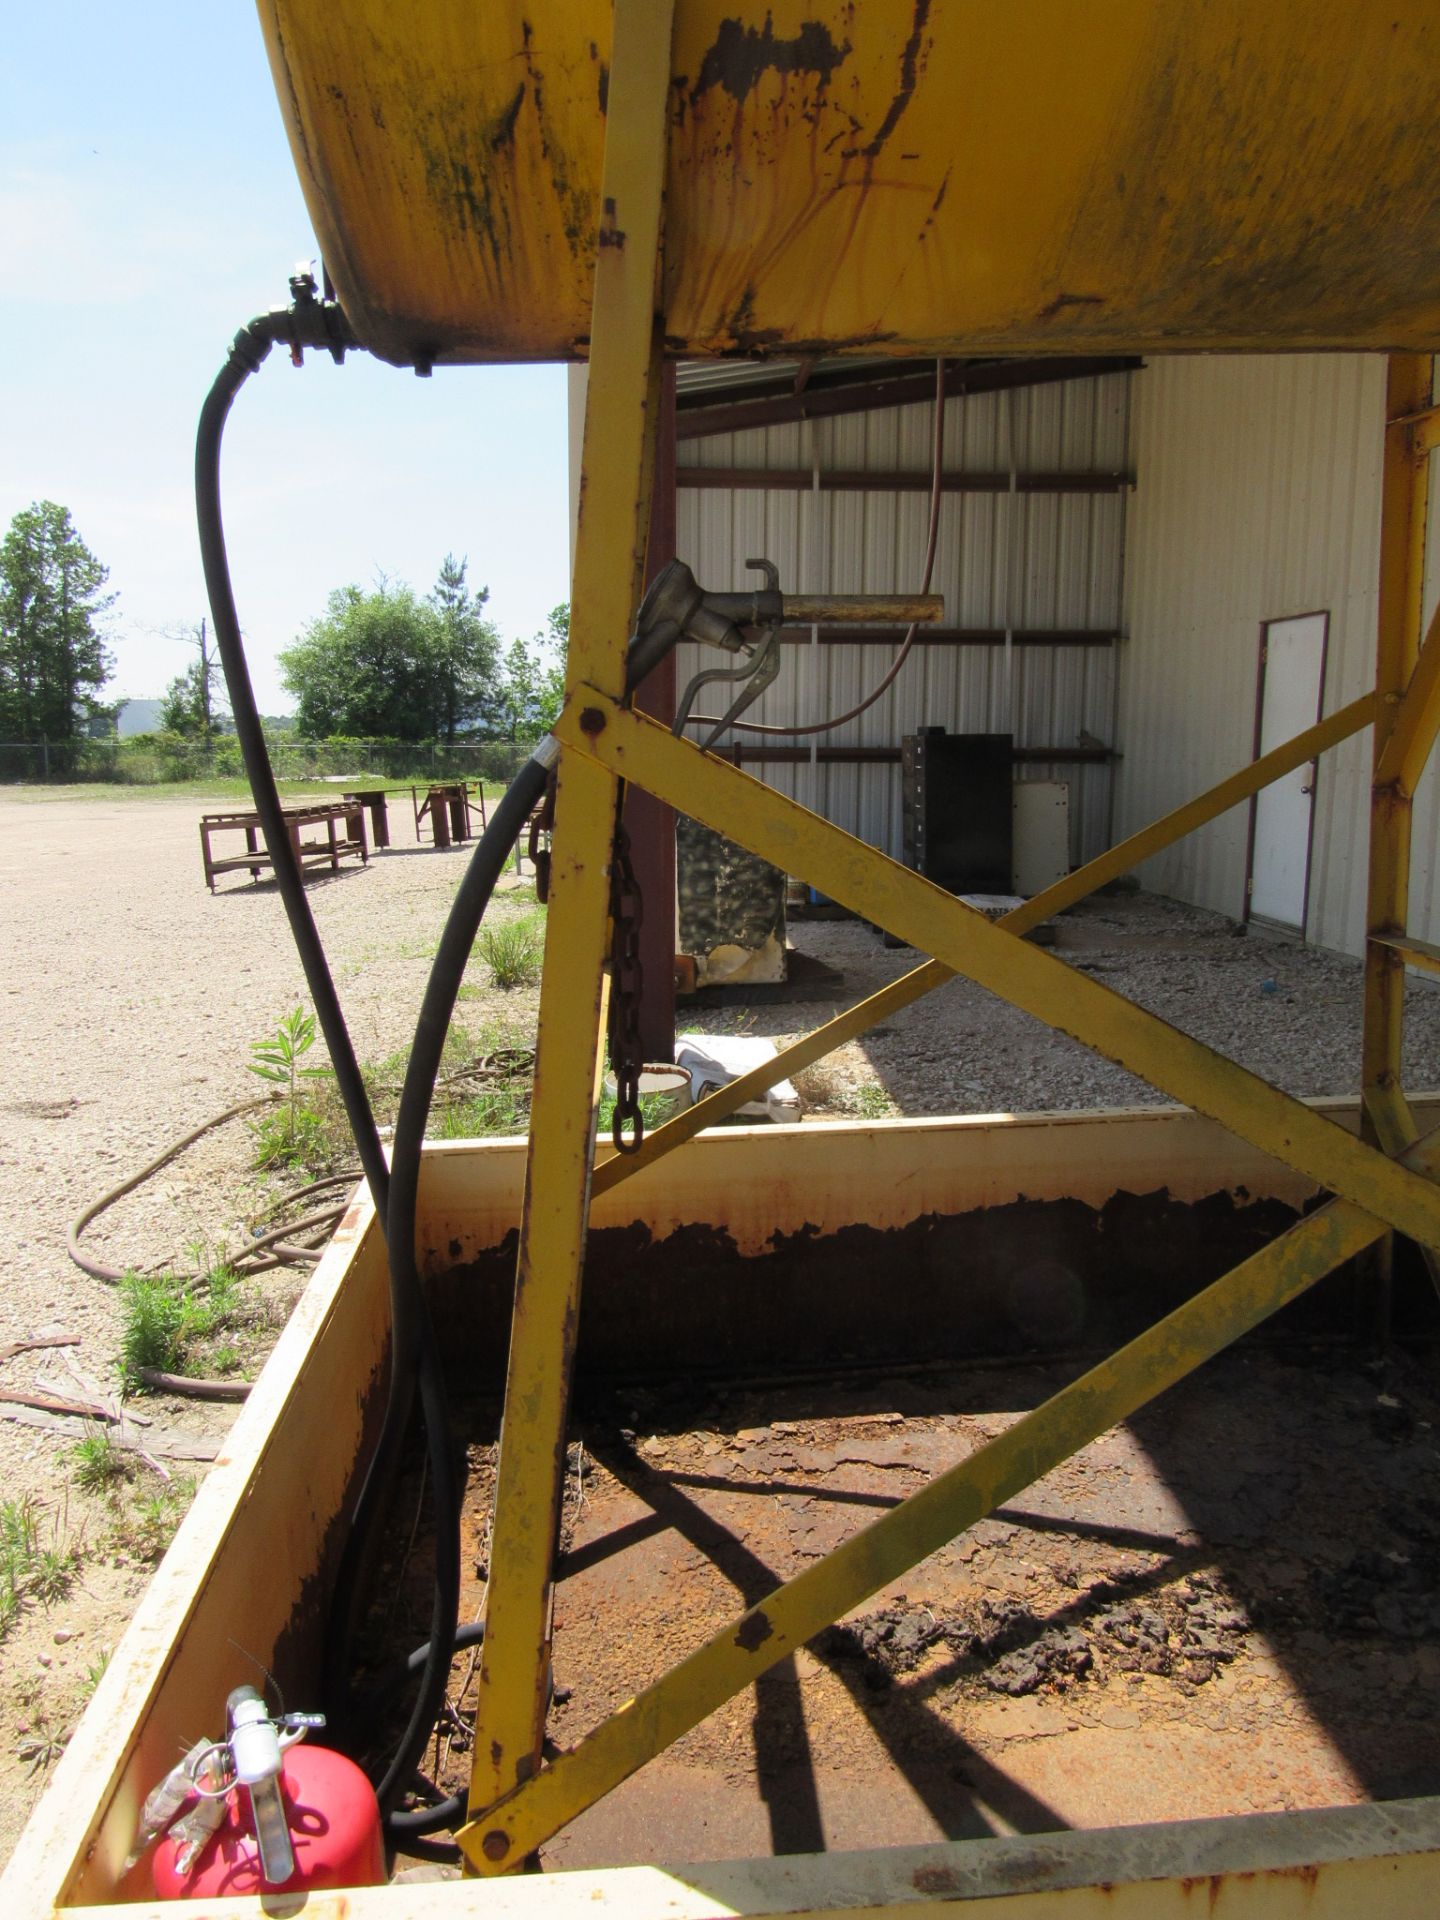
<point x="987" y="176"/>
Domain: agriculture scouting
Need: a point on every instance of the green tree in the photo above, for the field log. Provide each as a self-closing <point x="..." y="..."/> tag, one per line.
<point x="534" y="678"/>
<point x="193" y="699"/>
<point x="389" y="665"/>
<point x="469" y="653"/>
<point x="53" y="660"/>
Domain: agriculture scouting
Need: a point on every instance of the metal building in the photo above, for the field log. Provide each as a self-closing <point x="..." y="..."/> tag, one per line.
<point x="1116" y="550"/>
<point x="1256" y="516"/>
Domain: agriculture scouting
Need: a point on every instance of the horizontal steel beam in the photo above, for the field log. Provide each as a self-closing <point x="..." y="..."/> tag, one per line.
<point x="1420" y="953"/>
<point x="861" y="480"/>
<point x="798" y="636"/>
<point x="699" y="413"/>
<point x="746" y="756"/>
<point x="1381" y="1862"/>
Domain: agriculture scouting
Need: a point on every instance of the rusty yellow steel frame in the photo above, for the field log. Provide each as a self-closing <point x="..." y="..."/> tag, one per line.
<point x="1405" y="698"/>
<point x="1404" y="502"/>
<point x="894" y="897"/>
<point x="1375" y="1192"/>
<point x="1053" y="899"/>
<point x="610" y="549"/>
<point x="778" y="1625"/>
<point x="514" y="1801"/>
<point x="1420" y="953"/>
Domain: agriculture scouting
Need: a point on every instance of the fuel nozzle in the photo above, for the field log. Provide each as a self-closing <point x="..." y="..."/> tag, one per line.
<point x="678" y="608"/>
<point x="255" y="1745"/>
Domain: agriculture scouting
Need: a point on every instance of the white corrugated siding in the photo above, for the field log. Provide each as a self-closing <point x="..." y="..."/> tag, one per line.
<point x="1022" y="561"/>
<point x="1257" y="496"/>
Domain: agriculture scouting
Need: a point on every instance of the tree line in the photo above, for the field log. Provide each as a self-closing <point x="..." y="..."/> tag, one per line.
<point x="379" y="663"/>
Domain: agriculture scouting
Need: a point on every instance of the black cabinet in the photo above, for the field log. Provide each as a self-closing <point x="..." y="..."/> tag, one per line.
<point x="958" y="808"/>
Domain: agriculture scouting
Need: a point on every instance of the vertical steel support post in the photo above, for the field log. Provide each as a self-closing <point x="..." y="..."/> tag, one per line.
<point x="1404" y="501"/>
<point x="620" y="419"/>
<point x="649" y="822"/>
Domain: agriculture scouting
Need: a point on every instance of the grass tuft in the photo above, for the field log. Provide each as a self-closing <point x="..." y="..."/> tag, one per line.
<point x="32" y="1566"/>
<point x="513" y="950"/>
<point x="99" y="1463"/>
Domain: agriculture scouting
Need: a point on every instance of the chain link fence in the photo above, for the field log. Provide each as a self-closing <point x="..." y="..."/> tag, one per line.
<point x="148" y="760"/>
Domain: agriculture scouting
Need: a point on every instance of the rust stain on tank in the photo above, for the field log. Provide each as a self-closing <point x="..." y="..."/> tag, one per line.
<point x="909" y="70"/>
<point x="795" y="106"/>
<point x="741" y="55"/>
<point x="503" y="132"/>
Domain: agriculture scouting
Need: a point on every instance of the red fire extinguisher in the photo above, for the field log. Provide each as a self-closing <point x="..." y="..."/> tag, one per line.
<point x="260" y="1813"/>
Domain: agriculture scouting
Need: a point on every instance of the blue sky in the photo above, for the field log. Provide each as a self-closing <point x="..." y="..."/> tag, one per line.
<point x="148" y="208"/>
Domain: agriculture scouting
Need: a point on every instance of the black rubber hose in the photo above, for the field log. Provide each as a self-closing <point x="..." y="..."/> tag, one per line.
<point x="412" y="1343"/>
<point x="248" y="351"/>
<point x="449" y="1812"/>
<point x="442" y="990"/>
<point x="414" y="1354"/>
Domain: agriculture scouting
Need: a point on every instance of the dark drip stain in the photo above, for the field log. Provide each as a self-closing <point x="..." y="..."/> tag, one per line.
<point x="909" y="64"/>
<point x="502" y="134"/>
<point x="1063" y="300"/>
<point x="742" y="55"/>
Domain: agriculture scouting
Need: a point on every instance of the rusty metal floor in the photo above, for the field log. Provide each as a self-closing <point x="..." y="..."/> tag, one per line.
<point x="1229" y="1605"/>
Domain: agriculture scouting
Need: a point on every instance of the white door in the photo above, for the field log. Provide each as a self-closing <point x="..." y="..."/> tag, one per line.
<point x="1292" y="687"/>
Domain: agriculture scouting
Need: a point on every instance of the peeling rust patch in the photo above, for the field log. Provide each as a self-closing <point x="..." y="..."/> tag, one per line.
<point x="741" y="55"/>
<point x="935" y="1880"/>
<point x="1064" y="300"/>
<point x="748" y="338"/>
<point x="754" y="1630"/>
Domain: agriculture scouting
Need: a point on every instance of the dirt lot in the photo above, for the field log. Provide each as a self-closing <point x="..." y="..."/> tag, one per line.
<point x="132" y="1000"/>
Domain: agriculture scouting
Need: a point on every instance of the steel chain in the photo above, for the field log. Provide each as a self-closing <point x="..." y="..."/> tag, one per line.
<point x="541" y="827"/>
<point x="627" y="981"/>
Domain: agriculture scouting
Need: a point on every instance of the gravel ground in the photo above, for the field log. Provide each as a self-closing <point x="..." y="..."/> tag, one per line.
<point x="132" y="998"/>
<point x="1287" y="1011"/>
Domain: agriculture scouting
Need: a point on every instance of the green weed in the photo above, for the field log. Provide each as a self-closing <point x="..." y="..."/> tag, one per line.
<point x="151" y="1311"/>
<point x="872" y="1102"/>
<point x="163" y="1318"/>
<point x="98" y="1462"/>
<point x="32" y="1566"/>
<point x="503" y="1108"/>
<point x="294" y="1136"/>
<point x="513" y="950"/>
<point x="44" y="1743"/>
<point x="150" y="1526"/>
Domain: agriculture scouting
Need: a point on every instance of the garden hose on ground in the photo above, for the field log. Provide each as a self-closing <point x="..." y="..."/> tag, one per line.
<point x="414" y="1356"/>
